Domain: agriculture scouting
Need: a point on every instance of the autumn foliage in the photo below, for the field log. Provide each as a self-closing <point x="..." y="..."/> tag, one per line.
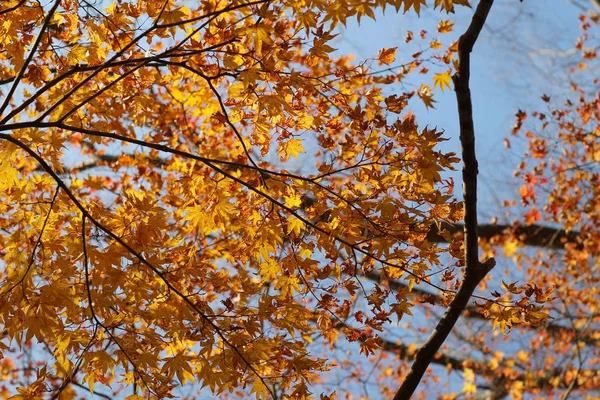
<point x="204" y="198"/>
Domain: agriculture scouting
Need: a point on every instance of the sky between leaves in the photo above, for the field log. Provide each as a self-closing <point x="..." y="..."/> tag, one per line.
<point x="208" y="263"/>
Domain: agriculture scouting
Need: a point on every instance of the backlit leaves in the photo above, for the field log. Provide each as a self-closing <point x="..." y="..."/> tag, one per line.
<point x="387" y="56"/>
<point x="193" y="193"/>
<point x="448" y="5"/>
<point x="442" y="80"/>
<point x="9" y="175"/>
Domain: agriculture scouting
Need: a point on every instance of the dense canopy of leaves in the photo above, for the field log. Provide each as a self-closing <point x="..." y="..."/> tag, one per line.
<point x="192" y="253"/>
<point x="205" y="194"/>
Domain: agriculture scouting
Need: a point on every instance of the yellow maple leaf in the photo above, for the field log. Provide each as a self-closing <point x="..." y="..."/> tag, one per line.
<point x="290" y="148"/>
<point x="522" y="356"/>
<point x="260" y="33"/>
<point x="260" y="390"/>
<point x="505" y="319"/>
<point x="320" y="49"/>
<point x="469" y="388"/>
<point x="402" y="308"/>
<point x="469" y="376"/>
<point x="287" y="284"/>
<point x="295" y="225"/>
<point x="426" y="96"/>
<point x="199" y="219"/>
<point x="442" y="80"/>
<point x="9" y="175"/>
<point x="387" y="56"/>
<point x="77" y="54"/>
<point x="516" y="390"/>
<point x="292" y="200"/>
<point x="510" y="247"/>
<point x="178" y="365"/>
<point x="269" y="269"/>
<point x="445" y="26"/>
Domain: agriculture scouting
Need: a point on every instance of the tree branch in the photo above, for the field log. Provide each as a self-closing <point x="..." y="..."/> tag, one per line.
<point x="475" y="271"/>
<point x="532" y="235"/>
<point x="529" y="235"/>
<point x="470" y="311"/>
<point x="590" y="377"/>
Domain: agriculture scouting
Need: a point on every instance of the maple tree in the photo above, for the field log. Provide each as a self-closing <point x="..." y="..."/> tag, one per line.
<point x="204" y="194"/>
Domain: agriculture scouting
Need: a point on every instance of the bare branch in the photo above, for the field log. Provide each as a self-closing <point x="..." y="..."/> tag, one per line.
<point x="475" y="271"/>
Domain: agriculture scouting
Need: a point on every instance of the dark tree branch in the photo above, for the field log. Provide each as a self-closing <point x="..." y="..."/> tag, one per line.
<point x="528" y="235"/>
<point x="590" y="378"/>
<point x="29" y="58"/>
<point x="532" y="235"/>
<point x="157" y="271"/>
<point x="475" y="271"/>
<point x="470" y="311"/>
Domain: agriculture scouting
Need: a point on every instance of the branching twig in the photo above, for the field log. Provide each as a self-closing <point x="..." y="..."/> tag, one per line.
<point x="86" y="214"/>
<point x="32" y="52"/>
